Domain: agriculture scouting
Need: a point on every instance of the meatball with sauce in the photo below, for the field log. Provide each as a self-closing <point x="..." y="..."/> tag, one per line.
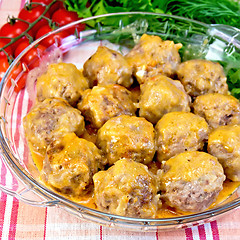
<point x="160" y="95"/>
<point x="177" y="132"/>
<point x="200" y="76"/>
<point x="127" y="137"/>
<point x="107" y="66"/>
<point x="153" y="56"/>
<point x="191" y="181"/>
<point x="49" y="120"/>
<point x="224" y="143"/>
<point x="127" y="189"/>
<point x="70" y="164"/>
<point x="217" y="109"/>
<point x="62" y="80"/>
<point x="104" y="102"/>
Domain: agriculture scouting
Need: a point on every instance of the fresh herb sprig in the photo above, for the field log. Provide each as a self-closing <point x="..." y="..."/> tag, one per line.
<point x="225" y="12"/>
<point x="209" y="11"/>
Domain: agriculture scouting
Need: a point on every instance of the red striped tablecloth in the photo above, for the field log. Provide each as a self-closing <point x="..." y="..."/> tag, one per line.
<point x="20" y="221"/>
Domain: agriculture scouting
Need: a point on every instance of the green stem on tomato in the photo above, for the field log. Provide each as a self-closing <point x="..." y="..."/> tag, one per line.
<point x="29" y="37"/>
<point x="3" y="37"/>
<point x="29" y="6"/>
<point x="48" y="19"/>
<point x="19" y="19"/>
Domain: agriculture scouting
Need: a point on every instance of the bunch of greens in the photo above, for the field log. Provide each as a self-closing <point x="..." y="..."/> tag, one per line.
<point x="225" y="12"/>
<point x="209" y="11"/>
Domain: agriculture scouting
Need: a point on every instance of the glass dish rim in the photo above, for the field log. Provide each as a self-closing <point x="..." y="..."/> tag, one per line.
<point x="27" y="179"/>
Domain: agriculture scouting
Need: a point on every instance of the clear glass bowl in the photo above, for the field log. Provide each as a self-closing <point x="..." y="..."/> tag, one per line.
<point x="19" y="176"/>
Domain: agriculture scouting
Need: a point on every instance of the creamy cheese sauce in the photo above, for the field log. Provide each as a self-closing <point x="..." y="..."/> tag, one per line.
<point x="229" y="189"/>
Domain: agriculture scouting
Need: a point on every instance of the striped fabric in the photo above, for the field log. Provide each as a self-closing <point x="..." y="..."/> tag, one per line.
<point x="20" y="221"/>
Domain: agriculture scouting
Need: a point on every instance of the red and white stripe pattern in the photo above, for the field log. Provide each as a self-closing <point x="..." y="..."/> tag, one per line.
<point x="20" y="221"/>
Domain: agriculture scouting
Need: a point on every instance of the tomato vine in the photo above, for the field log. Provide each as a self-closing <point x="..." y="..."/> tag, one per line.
<point x="25" y="33"/>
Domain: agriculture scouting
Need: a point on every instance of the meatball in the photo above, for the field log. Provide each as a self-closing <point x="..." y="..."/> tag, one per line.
<point x="104" y="102"/>
<point x="224" y="143"/>
<point x="191" y="181"/>
<point x="61" y="80"/>
<point x="127" y="137"/>
<point x="70" y="164"/>
<point x="127" y="189"/>
<point x="217" y="109"/>
<point x="177" y="132"/>
<point x="160" y="95"/>
<point x="49" y="120"/>
<point x="200" y="76"/>
<point x="153" y="56"/>
<point x="107" y="66"/>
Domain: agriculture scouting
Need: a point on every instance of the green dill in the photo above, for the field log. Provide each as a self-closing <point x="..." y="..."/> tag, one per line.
<point x="225" y="12"/>
<point x="209" y="11"/>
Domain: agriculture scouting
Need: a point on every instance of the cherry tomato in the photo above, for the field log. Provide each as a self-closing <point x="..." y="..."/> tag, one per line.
<point x="3" y="66"/>
<point x="21" y="81"/>
<point x="56" y="38"/>
<point x="33" y="14"/>
<point x="46" y="2"/>
<point x="19" y="76"/>
<point x="56" y="6"/>
<point x="7" y="49"/>
<point x="21" y="46"/>
<point x="63" y="17"/>
<point x="32" y="57"/>
<point x="13" y="30"/>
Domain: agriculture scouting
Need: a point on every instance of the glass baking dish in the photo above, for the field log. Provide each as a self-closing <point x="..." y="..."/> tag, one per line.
<point x="19" y="176"/>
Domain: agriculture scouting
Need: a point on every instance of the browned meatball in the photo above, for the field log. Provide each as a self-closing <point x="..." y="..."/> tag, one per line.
<point x="49" y="120"/>
<point x="224" y="143"/>
<point x="177" y="132"/>
<point x="70" y="165"/>
<point x="160" y="95"/>
<point x="191" y="181"/>
<point x="104" y="102"/>
<point x="127" y="137"/>
<point x="200" y="76"/>
<point x="107" y="66"/>
<point x="217" y="109"/>
<point x="152" y="56"/>
<point x="127" y="189"/>
<point x="61" y="80"/>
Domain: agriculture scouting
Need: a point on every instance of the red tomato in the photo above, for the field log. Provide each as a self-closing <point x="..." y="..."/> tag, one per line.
<point x="19" y="76"/>
<point x="32" y="56"/>
<point x="13" y="30"/>
<point x="63" y="17"/>
<point x="56" y="38"/>
<point x="46" y="2"/>
<point x="33" y="14"/>
<point x="7" y="49"/>
<point x="21" y="81"/>
<point x="21" y="46"/>
<point x="3" y="66"/>
<point x="56" y="6"/>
